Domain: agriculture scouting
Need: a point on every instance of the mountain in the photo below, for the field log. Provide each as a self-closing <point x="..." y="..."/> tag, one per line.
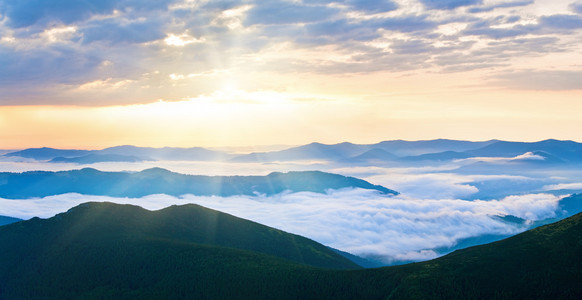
<point x="47" y="153"/>
<point x="8" y="220"/>
<point x="568" y="151"/>
<point x="414" y="148"/>
<point x="97" y="158"/>
<point x="439" y="149"/>
<point x="168" y="153"/>
<point x="3" y="151"/>
<point x="542" y="263"/>
<point x="103" y="250"/>
<point x="119" y="152"/>
<point x="439" y="156"/>
<point x="313" y="151"/>
<point x="160" y="181"/>
<point x="372" y="156"/>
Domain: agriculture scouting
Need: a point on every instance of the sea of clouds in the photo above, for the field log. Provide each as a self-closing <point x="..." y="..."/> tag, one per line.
<point x="358" y="221"/>
<point x="437" y="207"/>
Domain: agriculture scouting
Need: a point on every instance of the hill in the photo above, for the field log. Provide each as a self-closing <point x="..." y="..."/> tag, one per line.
<point x="101" y="250"/>
<point x="542" y="263"/>
<point x="104" y="249"/>
<point x="160" y="181"/>
<point x="47" y="153"/>
<point x="439" y="156"/>
<point x="555" y="150"/>
<point x="313" y="151"/>
<point x="414" y="148"/>
<point x="114" y="154"/>
<point x="97" y="158"/>
<point x="374" y="155"/>
<point x="167" y="153"/>
<point x="387" y="150"/>
<point x="8" y="220"/>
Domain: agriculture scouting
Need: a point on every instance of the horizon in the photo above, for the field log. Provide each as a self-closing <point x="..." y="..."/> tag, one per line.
<point x="277" y="147"/>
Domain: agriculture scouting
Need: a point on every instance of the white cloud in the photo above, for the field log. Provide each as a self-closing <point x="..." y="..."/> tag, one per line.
<point x="529" y="156"/>
<point x="563" y="186"/>
<point x="358" y="221"/>
<point x="427" y="185"/>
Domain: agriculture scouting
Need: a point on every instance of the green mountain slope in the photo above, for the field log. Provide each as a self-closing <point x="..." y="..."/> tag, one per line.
<point x="160" y="181"/>
<point x="107" y="250"/>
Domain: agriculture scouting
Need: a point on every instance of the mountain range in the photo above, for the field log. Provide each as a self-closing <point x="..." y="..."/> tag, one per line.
<point x="4" y="220"/>
<point x="547" y="151"/>
<point x="104" y="250"/>
<point x="160" y="181"/>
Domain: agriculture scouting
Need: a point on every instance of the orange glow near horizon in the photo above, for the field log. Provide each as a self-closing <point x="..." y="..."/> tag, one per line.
<point x="238" y="118"/>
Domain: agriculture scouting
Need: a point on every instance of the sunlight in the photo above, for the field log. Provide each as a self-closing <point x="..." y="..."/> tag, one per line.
<point x="181" y="40"/>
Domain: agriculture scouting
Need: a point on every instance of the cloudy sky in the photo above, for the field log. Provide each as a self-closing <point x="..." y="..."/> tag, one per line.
<point x="92" y="74"/>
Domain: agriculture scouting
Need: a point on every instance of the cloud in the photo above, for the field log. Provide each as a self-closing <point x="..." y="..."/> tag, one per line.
<point x="448" y="4"/>
<point x="556" y="80"/>
<point x="53" y="49"/>
<point x="25" y="13"/>
<point x="407" y="23"/>
<point x="562" y="22"/>
<point x="563" y="186"/>
<point x="372" y="6"/>
<point x="576" y="7"/>
<point x="133" y="32"/>
<point x="358" y="221"/>
<point x="56" y="63"/>
<point x="548" y="24"/>
<point x="529" y="156"/>
<point x="427" y="185"/>
<point x="287" y="12"/>
<point x="488" y="8"/>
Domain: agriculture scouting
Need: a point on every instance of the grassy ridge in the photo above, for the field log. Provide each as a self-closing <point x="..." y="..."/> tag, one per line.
<point x="72" y="256"/>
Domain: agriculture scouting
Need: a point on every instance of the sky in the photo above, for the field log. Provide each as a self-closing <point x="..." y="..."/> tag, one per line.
<point x="93" y="74"/>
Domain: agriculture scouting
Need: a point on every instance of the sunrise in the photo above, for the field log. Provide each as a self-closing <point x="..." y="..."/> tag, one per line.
<point x="197" y="73"/>
<point x="290" y="149"/>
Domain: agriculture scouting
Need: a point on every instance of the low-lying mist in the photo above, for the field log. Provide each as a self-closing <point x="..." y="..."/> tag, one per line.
<point x="358" y="221"/>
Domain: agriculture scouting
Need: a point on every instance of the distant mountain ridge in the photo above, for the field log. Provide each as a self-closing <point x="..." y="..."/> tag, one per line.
<point x="46" y="153"/>
<point x="390" y="150"/>
<point x="553" y="151"/>
<point x="8" y="220"/>
<point x="121" y="153"/>
<point x="96" y="158"/>
<point x="160" y="181"/>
